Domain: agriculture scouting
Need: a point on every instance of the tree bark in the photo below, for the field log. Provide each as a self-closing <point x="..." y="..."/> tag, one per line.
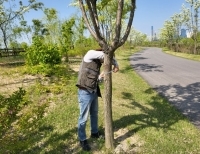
<point x="109" y="136"/>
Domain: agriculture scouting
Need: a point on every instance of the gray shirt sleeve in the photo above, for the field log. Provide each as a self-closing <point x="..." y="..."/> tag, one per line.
<point x="93" y="54"/>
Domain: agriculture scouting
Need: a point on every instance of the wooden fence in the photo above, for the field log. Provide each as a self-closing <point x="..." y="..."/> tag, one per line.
<point x="10" y="52"/>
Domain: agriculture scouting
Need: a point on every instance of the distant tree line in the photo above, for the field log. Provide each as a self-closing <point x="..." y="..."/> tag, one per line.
<point x="187" y="19"/>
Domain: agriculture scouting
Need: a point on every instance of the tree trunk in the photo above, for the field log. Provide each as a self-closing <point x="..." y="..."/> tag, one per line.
<point x="109" y="136"/>
<point x="195" y="46"/>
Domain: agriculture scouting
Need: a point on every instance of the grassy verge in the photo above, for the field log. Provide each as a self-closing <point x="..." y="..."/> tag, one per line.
<point x="183" y="55"/>
<point x="143" y="121"/>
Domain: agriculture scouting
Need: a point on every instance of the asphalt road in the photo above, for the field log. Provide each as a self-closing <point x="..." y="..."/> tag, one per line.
<point x="177" y="79"/>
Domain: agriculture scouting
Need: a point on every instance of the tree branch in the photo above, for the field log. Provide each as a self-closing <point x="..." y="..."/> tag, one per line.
<point x="86" y="19"/>
<point x="21" y="11"/>
<point x="131" y="16"/>
<point x="118" y="21"/>
<point x="94" y="19"/>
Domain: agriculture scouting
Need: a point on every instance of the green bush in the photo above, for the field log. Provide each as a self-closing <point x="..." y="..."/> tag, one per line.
<point x="9" y="107"/>
<point x="187" y="41"/>
<point x="41" y="53"/>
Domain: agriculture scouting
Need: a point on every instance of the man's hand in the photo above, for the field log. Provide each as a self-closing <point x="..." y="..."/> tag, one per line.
<point x="115" y="69"/>
<point x="101" y="75"/>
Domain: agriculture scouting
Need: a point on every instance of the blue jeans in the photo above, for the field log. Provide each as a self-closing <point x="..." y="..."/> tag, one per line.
<point x="88" y="103"/>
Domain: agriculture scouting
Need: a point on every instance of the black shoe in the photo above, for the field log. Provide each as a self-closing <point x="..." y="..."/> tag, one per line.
<point x="97" y="135"/>
<point x="85" y="146"/>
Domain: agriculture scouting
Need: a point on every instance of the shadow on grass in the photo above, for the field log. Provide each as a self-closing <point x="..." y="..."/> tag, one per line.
<point x="28" y="81"/>
<point x="55" y="140"/>
<point x="62" y="143"/>
<point x="185" y="98"/>
<point x="128" y="68"/>
<point x="42" y="139"/>
<point x="12" y="64"/>
<point x="160" y="115"/>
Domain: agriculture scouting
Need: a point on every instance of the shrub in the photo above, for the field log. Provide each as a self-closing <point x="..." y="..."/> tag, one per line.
<point x="41" y="53"/>
<point x="9" y="107"/>
<point x="187" y="41"/>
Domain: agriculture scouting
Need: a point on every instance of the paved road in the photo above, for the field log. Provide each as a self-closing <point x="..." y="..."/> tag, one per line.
<point x="178" y="79"/>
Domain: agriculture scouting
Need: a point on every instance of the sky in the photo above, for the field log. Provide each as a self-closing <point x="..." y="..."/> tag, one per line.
<point x="148" y="13"/>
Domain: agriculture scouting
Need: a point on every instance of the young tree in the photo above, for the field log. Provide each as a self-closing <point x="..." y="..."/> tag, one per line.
<point x="177" y="23"/>
<point x="22" y="30"/>
<point x="79" y="31"/>
<point x="194" y="7"/>
<point x="6" y="32"/>
<point x="39" y="29"/>
<point x="90" y="14"/>
<point x="52" y="24"/>
<point x="167" y="33"/>
<point x="66" y="37"/>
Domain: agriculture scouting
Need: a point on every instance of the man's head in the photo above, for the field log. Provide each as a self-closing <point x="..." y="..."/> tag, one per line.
<point x="100" y="49"/>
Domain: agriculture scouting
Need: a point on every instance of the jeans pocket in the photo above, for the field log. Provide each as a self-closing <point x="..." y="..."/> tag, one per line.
<point x="83" y="92"/>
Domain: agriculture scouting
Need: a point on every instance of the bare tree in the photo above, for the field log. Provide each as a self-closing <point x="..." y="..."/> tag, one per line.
<point x="90" y="14"/>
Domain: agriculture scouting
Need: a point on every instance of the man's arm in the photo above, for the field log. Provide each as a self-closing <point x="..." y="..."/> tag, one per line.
<point x="93" y="54"/>
<point x="116" y="66"/>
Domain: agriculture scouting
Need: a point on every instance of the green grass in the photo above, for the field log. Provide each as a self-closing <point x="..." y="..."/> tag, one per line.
<point x="183" y="55"/>
<point x="11" y="59"/>
<point x="142" y="119"/>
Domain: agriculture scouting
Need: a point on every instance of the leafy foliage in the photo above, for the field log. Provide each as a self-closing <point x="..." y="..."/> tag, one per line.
<point x="9" y="107"/>
<point x="67" y="33"/>
<point x="187" y="41"/>
<point x="82" y="46"/>
<point x="41" y="57"/>
<point x="26" y="130"/>
<point x="40" y="53"/>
